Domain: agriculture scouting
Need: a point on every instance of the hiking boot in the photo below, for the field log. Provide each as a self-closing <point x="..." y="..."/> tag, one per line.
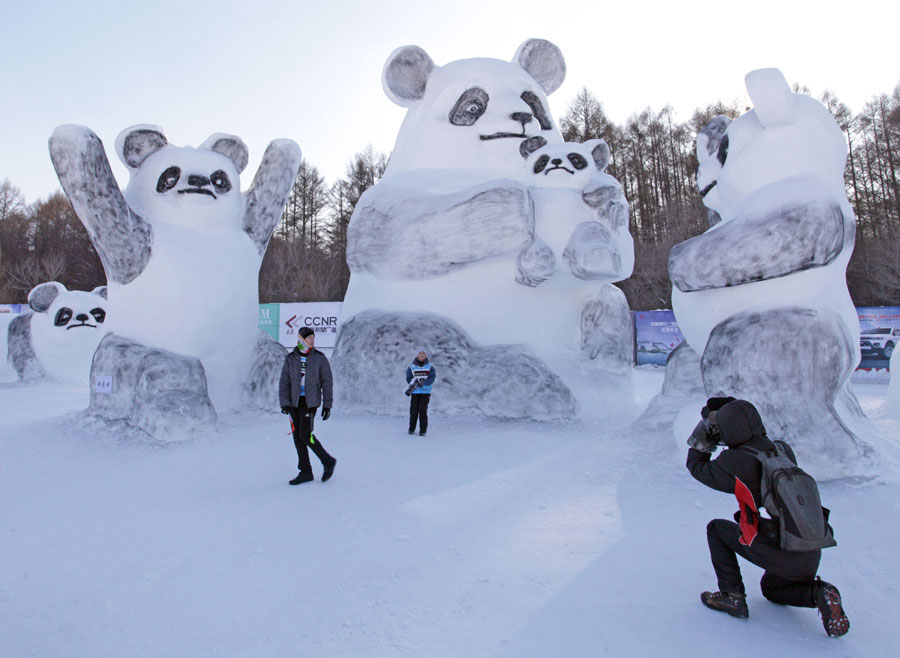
<point x="329" y="469"/>
<point x="302" y="476"/>
<point x="734" y="604"/>
<point x="828" y="601"/>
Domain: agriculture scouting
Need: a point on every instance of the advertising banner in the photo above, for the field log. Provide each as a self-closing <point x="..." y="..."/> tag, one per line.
<point x="13" y="309"/>
<point x="268" y="319"/>
<point x="656" y="334"/>
<point x="879" y="333"/>
<point x="322" y="317"/>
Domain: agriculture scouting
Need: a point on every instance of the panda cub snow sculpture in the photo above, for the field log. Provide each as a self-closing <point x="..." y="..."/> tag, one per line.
<point x="436" y="246"/>
<point x="582" y="243"/>
<point x="182" y="249"/>
<point x="762" y="294"/>
<point x="58" y="337"/>
<point x="589" y="230"/>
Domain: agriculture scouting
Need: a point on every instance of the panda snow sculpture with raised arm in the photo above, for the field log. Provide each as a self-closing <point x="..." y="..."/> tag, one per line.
<point x="182" y="249"/>
<point x="438" y="249"/>
<point x="58" y="337"/>
<point x="762" y="294"/>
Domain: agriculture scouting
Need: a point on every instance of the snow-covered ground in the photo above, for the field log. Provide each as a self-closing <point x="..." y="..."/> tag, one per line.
<point x="483" y="539"/>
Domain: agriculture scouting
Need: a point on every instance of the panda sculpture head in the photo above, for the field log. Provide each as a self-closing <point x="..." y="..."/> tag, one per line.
<point x="471" y="113"/>
<point x="184" y="186"/>
<point x="569" y="164"/>
<point x="66" y="328"/>
<point x="785" y="135"/>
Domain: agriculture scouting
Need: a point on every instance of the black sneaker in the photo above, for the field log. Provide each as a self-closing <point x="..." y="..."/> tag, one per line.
<point x="302" y="476"/>
<point x="329" y="469"/>
<point x="422" y="433"/>
<point x="828" y="600"/>
<point x="734" y="604"/>
<point x="411" y="432"/>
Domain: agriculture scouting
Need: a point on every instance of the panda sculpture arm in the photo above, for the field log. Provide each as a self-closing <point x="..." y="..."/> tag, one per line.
<point x="760" y="246"/>
<point x="123" y="239"/>
<point x="20" y="353"/>
<point x="408" y="234"/>
<point x="270" y="190"/>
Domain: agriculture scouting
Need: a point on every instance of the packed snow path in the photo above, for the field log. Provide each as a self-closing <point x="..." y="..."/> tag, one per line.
<point x="482" y="539"/>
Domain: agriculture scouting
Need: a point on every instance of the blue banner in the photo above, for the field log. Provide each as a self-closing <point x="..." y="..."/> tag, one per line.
<point x="879" y="333"/>
<point x="656" y="334"/>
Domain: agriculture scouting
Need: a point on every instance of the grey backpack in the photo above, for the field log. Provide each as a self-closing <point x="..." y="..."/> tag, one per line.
<point x="791" y="497"/>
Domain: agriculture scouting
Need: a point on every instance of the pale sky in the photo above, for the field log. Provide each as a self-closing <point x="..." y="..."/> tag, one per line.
<point x="311" y="71"/>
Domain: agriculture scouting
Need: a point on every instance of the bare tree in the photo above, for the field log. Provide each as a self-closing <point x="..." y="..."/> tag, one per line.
<point x="25" y="274"/>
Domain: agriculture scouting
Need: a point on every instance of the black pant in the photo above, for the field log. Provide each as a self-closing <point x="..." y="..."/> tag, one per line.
<point x="418" y="411"/>
<point x="789" y="578"/>
<point x="302" y="423"/>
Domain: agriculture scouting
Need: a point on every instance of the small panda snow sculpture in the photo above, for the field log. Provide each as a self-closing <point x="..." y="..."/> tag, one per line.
<point x="762" y="294"/>
<point x="436" y="246"/>
<point x="587" y="229"/>
<point x="182" y="249"/>
<point x="58" y="337"/>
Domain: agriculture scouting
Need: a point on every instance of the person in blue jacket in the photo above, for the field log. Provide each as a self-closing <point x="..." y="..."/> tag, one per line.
<point x="423" y="373"/>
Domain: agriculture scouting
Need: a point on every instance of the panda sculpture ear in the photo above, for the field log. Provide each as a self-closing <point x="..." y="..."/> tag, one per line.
<point x="600" y="152"/>
<point x="405" y="75"/>
<point x="42" y="296"/>
<point x="135" y="144"/>
<point x="773" y="100"/>
<point x="710" y="136"/>
<point x="101" y="291"/>
<point x="231" y="147"/>
<point x="544" y="62"/>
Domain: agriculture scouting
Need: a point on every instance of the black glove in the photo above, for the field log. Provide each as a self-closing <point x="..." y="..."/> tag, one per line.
<point x="702" y="438"/>
<point x="420" y="383"/>
<point x="326" y="412"/>
<point x="285" y="410"/>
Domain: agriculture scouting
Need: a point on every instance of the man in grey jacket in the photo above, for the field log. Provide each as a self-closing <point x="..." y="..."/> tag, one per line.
<point x="305" y="384"/>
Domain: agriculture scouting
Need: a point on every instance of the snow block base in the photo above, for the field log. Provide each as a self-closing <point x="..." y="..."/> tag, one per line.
<point x="498" y="381"/>
<point x="261" y="388"/>
<point x="159" y="392"/>
<point x="792" y="363"/>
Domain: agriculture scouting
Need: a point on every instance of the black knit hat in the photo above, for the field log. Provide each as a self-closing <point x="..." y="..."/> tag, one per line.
<point x="305" y="331"/>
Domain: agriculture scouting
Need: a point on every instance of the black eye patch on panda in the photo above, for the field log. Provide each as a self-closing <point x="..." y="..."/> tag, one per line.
<point x="63" y="316"/>
<point x="722" y="155"/>
<point x="469" y="108"/>
<point x="99" y="314"/>
<point x="221" y="181"/>
<point x="577" y="161"/>
<point x="168" y="179"/>
<point x="541" y="163"/>
<point x="537" y="109"/>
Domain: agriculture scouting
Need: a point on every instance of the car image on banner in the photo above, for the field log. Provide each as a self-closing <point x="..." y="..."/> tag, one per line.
<point x="879" y="333"/>
<point x="879" y="342"/>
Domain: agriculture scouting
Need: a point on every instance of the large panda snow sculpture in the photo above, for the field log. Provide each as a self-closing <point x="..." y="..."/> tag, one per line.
<point x="58" y="337"/>
<point x="182" y="249"/>
<point x="762" y="294"/>
<point x="450" y="248"/>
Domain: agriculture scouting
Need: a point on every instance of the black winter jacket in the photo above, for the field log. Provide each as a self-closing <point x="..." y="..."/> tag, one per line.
<point x="319" y="382"/>
<point x="740" y="425"/>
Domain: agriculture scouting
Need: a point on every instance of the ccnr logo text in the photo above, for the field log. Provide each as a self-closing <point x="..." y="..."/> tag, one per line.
<point x="320" y="321"/>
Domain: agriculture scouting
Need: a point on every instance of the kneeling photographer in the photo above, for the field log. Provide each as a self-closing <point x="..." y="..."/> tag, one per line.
<point x="790" y="575"/>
